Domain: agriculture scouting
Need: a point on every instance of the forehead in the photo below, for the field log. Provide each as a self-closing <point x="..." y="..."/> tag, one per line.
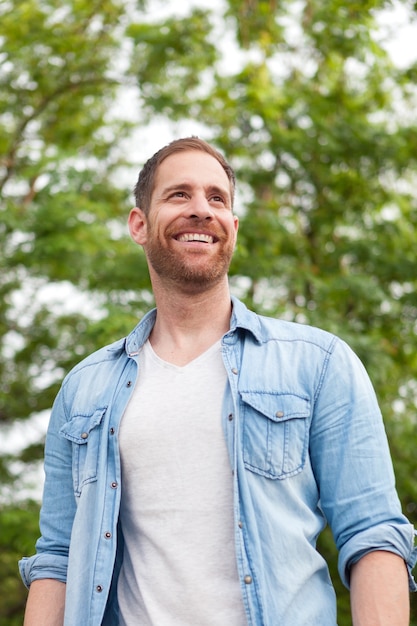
<point x="191" y="167"/>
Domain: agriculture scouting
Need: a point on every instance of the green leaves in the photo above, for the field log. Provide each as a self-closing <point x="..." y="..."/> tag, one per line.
<point x="320" y="126"/>
<point x="19" y="532"/>
<point x="170" y="58"/>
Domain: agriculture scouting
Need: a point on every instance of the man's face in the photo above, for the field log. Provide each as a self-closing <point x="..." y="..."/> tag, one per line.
<point x="190" y="232"/>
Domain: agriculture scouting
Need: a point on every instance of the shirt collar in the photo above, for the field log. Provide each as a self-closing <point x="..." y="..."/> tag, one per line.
<point x="241" y="317"/>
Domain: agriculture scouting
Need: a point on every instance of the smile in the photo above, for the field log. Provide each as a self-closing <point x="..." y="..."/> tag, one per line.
<point x="186" y="237"/>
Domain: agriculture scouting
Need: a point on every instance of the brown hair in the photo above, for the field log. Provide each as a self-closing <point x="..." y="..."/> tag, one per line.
<point x="146" y="182"/>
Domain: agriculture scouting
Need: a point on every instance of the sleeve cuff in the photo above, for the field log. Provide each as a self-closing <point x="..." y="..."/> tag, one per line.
<point x="43" y="566"/>
<point x="398" y="539"/>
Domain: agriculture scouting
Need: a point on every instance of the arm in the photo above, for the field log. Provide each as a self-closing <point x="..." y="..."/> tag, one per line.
<point x="379" y="591"/>
<point x="45" y="572"/>
<point x="46" y="602"/>
<point x="352" y="464"/>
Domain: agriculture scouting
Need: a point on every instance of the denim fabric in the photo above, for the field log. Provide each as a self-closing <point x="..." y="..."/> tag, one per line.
<point x="307" y="447"/>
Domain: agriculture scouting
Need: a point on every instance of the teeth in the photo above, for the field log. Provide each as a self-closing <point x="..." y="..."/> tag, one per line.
<point x="196" y="237"/>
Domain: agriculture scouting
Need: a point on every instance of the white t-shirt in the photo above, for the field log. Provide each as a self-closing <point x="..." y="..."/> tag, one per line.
<point x="179" y="566"/>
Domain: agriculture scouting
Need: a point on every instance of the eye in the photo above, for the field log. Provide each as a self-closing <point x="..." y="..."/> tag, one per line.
<point x="217" y="199"/>
<point x="174" y="196"/>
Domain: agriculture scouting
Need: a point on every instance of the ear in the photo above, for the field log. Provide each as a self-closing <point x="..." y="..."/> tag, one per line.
<point x="236" y="227"/>
<point x="137" y="223"/>
<point x="236" y="223"/>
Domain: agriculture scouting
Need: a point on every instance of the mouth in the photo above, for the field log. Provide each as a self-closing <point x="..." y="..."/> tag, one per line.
<point x="199" y="237"/>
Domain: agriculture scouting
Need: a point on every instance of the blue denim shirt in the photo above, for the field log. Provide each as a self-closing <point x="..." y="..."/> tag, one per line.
<point x="307" y="446"/>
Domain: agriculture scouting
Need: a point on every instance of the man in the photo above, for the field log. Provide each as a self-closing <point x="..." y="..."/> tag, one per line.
<point x="191" y="466"/>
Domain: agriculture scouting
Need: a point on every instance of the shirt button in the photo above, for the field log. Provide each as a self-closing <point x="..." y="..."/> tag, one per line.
<point x="114" y="485"/>
<point x="84" y="435"/>
<point x="230" y="417"/>
<point x="240" y="524"/>
<point x="279" y="413"/>
<point x="107" y="535"/>
<point x="112" y="431"/>
<point x="234" y="370"/>
<point x="248" y="580"/>
<point x="129" y="383"/>
<point x="99" y="588"/>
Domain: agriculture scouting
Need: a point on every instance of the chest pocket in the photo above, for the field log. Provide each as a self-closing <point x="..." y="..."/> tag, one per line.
<point x="84" y="432"/>
<point x="275" y="433"/>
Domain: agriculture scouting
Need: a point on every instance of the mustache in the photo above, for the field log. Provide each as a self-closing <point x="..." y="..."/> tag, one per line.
<point x="185" y="225"/>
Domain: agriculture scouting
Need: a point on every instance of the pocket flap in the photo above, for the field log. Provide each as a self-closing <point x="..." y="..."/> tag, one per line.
<point x="79" y="427"/>
<point x="278" y="407"/>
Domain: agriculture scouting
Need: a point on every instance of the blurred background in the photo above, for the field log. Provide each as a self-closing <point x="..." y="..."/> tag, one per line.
<point x="314" y="102"/>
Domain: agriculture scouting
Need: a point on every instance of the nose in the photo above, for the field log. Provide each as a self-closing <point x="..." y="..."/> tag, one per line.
<point x="200" y="208"/>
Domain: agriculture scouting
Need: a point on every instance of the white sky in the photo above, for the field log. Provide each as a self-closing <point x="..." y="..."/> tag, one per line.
<point x="402" y="34"/>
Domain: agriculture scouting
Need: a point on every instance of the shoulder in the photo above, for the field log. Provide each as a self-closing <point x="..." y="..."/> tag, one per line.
<point x="263" y="329"/>
<point x="293" y="331"/>
<point x="102" y="359"/>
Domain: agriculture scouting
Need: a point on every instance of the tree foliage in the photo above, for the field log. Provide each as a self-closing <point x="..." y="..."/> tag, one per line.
<point x="320" y="125"/>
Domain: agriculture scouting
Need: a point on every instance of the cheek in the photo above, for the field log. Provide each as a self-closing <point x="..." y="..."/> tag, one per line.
<point x="158" y="234"/>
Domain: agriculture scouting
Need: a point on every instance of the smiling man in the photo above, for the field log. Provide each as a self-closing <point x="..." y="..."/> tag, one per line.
<point x="188" y="230"/>
<point x="191" y="466"/>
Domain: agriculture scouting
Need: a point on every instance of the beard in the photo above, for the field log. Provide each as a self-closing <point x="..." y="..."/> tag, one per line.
<point x="193" y="271"/>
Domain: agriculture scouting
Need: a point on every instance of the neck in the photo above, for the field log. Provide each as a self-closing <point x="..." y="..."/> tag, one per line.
<point x="188" y="324"/>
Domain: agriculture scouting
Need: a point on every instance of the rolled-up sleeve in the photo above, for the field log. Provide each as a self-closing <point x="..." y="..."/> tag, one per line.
<point x="353" y="467"/>
<point x="396" y="538"/>
<point x="58" y="506"/>
<point x="43" y="566"/>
